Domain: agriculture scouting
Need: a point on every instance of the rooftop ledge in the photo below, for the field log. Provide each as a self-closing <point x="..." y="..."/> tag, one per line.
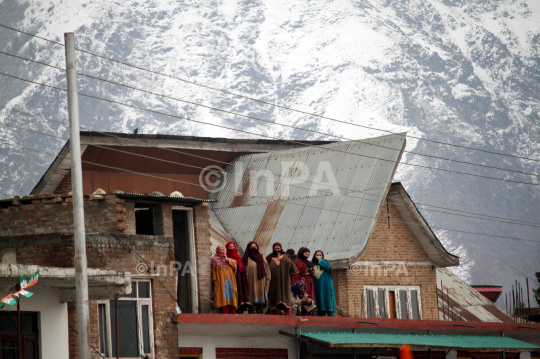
<point x="249" y="325"/>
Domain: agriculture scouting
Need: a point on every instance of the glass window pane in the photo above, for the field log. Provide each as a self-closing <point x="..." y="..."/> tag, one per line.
<point x="145" y="329"/>
<point x="29" y="323"/>
<point x="8" y="322"/>
<point x="9" y="353"/>
<point x="403" y="304"/>
<point x="103" y="338"/>
<point x="127" y="328"/>
<point x="30" y="350"/>
<point x="380" y="302"/>
<point x="370" y="304"/>
<point x="414" y="304"/>
<point x="144" y="290"/>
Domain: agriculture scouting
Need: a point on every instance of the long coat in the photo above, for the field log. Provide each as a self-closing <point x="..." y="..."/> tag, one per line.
<point x="325" y="296"/>
<point x="225" y="289"/>
<point x="258" y="288"/>
<point x="280" y="283"/>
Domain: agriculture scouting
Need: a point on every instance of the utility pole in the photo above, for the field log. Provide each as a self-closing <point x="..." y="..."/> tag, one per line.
<point x="81" y="277"/>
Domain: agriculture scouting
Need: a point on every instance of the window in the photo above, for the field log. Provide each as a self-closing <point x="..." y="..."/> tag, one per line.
<point x="9" y="344"/>
<point x="149" y="219"/>
<point x="135" y="329"/>
<point x="393" y="302"/>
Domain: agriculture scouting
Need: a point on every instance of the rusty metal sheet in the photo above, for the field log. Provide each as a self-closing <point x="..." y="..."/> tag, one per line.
<point x="327" y="220"/>
<point x="460" y="301"/>
<point x="268" y="225"/>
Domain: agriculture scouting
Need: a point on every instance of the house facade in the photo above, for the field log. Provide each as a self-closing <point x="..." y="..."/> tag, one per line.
<point x="157" y="206"/>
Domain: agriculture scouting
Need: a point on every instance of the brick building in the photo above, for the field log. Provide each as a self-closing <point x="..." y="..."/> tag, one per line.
<point x="339" y="197"/>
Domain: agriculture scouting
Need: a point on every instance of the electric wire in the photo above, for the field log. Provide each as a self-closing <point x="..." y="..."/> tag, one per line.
<point x="274" y="104"/>
<point x="273" y="122"/>
<point x="504" y="219"/>
<point x="248" y="132"/>
<point x="325" y="209"/>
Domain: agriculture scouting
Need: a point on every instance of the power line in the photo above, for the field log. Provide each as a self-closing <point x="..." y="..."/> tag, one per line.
<point x="503" y="220"/>
<point x="227" y="163"/>
<point x="271" y="122"/>
<point x="274" y="104"/>
<point x="248" y="132"/>
<point x="325" y="209"/>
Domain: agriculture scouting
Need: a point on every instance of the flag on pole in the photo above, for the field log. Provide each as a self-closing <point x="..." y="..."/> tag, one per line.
<point x="24" y="282"/>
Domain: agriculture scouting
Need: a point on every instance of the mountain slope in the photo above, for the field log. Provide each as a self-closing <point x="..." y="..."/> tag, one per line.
<point x="463" y="72"/>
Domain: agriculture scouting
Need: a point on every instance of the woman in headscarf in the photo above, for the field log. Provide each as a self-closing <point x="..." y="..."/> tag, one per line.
<point x="323" y="286"/>
<point x="306" y="269"/>
<point x="224" y="280"/>
<point x="277" y="249"/>
<point x="302" y="304"/>
<point x="281" y="270"/>
<point x="258" y="277"/>
<point x="241" y="277"/>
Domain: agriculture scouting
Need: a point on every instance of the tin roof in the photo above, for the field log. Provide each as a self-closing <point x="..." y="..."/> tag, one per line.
<point x="114" y="153"/>
<point x="456" y="342"/>
<point x="459" y="301"/>
<point x="320" y="197"/>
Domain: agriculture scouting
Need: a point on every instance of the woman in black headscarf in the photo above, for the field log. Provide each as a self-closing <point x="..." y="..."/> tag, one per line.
<point x="258" y="278"/>
<point x="306" y="270"/>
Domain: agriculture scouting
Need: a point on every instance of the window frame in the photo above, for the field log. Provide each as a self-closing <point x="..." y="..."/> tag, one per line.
<point x="397" y="302"/>
<point x="140" y="302"/>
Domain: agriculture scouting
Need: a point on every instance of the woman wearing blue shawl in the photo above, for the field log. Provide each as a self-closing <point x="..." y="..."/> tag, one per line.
<point x="323" y="286"/>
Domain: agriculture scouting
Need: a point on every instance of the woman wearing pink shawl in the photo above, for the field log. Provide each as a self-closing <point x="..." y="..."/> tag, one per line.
<point x="224" y="280"/>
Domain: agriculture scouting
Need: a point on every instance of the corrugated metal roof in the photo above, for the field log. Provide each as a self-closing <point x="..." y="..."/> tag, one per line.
<point x="459" y="301"/>
<point x="295" y="212"/>
<point x="342" y="339"/>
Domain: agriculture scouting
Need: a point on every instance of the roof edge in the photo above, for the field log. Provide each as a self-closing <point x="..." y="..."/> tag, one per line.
<point x="421" y="229"/>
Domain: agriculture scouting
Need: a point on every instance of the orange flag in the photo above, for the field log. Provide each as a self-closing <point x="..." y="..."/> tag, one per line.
<point x="405" y="352"/>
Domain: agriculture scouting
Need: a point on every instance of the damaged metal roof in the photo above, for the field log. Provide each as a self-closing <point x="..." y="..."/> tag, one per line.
<point x="320" y="197"/>
<point x="459" y="301"/>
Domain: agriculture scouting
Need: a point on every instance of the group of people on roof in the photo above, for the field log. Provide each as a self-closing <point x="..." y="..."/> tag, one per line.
<point x="281" y="283"/>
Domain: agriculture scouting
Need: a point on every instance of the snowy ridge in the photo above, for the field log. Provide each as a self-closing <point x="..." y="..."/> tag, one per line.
<point x="459" y="71"/>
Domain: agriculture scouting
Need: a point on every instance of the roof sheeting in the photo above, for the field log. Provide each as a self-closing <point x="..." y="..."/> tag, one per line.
<point x="479" y="342"/>
<point x="309" y="197"/>
<point x="459" y="301"/>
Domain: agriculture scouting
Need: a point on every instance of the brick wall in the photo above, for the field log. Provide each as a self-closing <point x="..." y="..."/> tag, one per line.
<point x="42" y="234"/>
<point x="190" y="351"/>
<point x="64" y="187"/>
<point x="202" y="247"/>
<point x="111" y="214"/>
<point x="390" y="241"/>
<point x="235" y="353"/>
<point x="44" y="218"/>
<point x="153" y="249"/>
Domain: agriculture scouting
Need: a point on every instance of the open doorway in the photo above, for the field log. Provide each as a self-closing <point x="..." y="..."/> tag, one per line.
<point x="184" y="253"/>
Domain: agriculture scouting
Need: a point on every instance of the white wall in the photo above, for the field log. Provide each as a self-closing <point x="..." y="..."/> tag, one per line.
<point x="52" y="320"/>
<point x="209" y="344"/>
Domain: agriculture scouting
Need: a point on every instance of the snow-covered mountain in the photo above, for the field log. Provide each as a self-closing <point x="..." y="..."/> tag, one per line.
<point x="465" y="72"/>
